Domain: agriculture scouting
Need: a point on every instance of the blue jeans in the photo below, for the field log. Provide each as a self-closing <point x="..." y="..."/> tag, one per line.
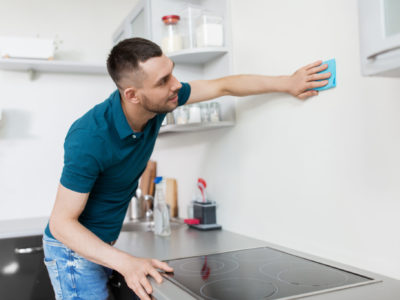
<point x="72" y="276"/>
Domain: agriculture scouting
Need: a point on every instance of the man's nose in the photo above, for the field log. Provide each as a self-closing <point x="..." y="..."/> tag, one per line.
<point x="176" y="85"/>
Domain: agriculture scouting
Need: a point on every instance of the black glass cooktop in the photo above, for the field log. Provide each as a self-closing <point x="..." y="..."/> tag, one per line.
<point x="253" y="274"/>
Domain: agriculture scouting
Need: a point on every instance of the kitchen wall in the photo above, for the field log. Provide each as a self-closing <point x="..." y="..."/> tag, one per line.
<point x="320" y="176"/>
<point x="38" y="113"/>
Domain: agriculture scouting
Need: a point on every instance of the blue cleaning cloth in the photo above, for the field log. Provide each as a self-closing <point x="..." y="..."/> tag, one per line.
<point x="331" y="80"/>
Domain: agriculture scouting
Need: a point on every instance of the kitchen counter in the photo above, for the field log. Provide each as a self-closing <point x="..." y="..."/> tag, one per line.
<point x="186" y="242"/>
<point x="22" y="227"/>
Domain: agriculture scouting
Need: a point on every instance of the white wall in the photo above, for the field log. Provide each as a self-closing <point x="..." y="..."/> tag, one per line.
<point x="37" y="114"/>
<point x="320" y="176"/>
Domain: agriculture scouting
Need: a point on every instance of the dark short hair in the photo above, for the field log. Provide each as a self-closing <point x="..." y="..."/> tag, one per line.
<point x="127" y="54"/>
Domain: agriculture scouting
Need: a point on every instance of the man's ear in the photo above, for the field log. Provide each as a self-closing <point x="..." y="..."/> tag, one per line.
<point x="130" y="95"/>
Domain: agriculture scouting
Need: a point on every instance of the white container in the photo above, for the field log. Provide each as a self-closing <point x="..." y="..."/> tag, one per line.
<point x="189" y="16"/>
<point x="172" y="39"/>
<point x="181" y="115"/>
<point x="215" y="112"/>
<point x="209" y="31"/>
<point x="21" y="47"/>
<point x="194" y="113"/>
<point x="205" y="112"/>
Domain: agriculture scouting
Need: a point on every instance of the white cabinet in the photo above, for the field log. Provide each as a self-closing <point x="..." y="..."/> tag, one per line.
<point x="136" y="24"/>
<point x="145" y="20"/>
<point x="380" y="37"/>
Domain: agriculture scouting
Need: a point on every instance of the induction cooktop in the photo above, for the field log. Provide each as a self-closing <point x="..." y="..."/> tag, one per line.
<point x="259" y="273"/>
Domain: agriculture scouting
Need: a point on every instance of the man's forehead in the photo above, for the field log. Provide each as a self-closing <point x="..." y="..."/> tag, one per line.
<point x="157" y="67"/>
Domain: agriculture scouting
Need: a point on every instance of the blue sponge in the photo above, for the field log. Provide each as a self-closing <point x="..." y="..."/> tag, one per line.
<point x="331" y="80"/>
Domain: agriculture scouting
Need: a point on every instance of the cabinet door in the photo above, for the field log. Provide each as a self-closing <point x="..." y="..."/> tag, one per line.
<point x="380" y="37"/>
<point x="136" y="24"/>
<point x="23" y="274"/>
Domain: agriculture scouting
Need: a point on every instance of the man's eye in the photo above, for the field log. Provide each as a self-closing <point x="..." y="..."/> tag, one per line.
<point x="164" y="80"/>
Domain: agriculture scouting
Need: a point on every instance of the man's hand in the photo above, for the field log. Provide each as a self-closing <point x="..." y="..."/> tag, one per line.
<point x="135" y="273"/>
<point x="306" y="78"/>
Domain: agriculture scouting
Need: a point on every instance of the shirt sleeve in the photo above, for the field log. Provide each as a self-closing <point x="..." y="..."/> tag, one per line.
<point x="184" y="93"/>
<point x="82" y="161"/>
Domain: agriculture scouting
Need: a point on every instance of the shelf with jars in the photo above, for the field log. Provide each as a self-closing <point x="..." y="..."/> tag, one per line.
<point x="195" y="126"/>
<point x="197" y="55"/>
<point x="195" y="117"/>
<point x="196" y="36"/>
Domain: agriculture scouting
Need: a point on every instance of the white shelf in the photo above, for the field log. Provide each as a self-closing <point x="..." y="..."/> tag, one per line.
<point x="53" y="66"/>
<point x="197" y="55"/>
<point x="195" y="126"/>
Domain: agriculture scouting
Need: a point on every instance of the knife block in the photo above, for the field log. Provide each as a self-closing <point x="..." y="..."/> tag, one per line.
<point x="205" y="212"/>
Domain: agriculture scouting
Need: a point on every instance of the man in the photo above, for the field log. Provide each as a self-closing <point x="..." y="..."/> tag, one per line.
<point x="106" y="151"/>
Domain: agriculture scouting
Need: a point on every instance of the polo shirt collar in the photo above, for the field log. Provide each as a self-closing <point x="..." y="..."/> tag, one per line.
<point x="120" y="121"/>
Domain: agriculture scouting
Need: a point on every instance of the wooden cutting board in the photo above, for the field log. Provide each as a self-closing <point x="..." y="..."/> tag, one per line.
<point x="171" y="196"/>
<point x="153" y="175"/>
<point x="147" y="179"/>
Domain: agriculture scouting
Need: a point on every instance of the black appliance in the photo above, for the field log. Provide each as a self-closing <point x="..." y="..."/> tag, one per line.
<point x="259" y="273"/>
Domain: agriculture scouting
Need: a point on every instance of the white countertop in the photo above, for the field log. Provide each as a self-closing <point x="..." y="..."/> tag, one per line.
<point x="22" y="227"/>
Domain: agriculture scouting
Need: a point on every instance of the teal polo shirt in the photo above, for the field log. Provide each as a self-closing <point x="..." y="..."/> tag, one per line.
<point x="104" y="156"/>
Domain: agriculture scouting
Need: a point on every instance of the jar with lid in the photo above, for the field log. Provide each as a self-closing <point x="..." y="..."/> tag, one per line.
<point x="194" y="113"/>
<point x="172" y="38"/>
<point x="170" y="118"/>
<point x="215" y="113"/>
<point x="181" y="114"/>
<point x="189" y="14"/>
<point x="210" y="30"/>
<point x="205" y="112"/>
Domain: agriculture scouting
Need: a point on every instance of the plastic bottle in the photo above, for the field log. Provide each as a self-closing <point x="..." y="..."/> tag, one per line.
<point x="161" y="213"/>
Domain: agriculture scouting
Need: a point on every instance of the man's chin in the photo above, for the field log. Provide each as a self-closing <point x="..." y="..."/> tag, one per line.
<point x="167" y="110"/>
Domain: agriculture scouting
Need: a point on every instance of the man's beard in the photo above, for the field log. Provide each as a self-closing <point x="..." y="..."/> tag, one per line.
<point x="156" y="108"/>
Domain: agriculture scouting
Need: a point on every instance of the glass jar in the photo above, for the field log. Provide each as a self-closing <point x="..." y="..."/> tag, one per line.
<point x="181" y="115"/>
<point x="194" y="113"/>
<point x="172" y="39"/>
<point x="170" y="118"/>
<point x="210" y="30"/>
<point x="205" y="112"/>
<point x="189" y="14"/>
<point x="215" y="113"/>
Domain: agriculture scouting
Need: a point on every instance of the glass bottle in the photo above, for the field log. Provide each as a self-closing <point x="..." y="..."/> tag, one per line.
<point x="161" y="214"/>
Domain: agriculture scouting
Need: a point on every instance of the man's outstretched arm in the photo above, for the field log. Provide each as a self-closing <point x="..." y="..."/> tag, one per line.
<point x="297" y="84"/>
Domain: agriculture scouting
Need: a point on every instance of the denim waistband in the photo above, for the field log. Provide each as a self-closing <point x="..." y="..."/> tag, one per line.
<point x="53" y="242"/>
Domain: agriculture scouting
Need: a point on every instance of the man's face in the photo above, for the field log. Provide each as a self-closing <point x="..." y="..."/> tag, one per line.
<point x="159" y="90"/>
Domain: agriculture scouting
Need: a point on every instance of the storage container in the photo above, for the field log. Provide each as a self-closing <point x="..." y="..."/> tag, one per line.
<point x="189" y="14"/>
<point x="172" y="39"/>
<point x="209" y="30"/>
